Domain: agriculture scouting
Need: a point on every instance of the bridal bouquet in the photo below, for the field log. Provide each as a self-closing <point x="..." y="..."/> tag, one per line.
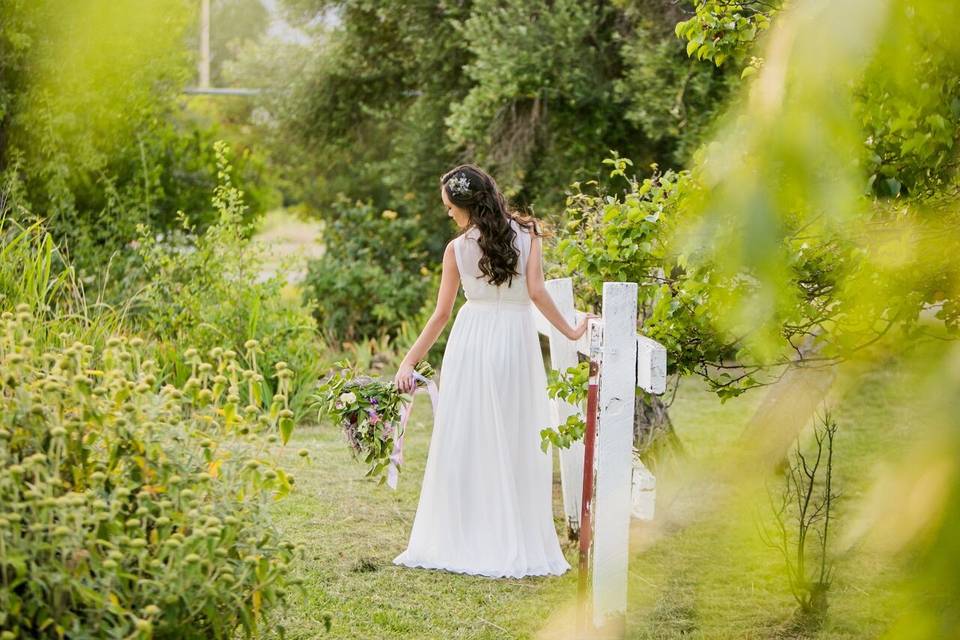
<point x="369" y="411"/>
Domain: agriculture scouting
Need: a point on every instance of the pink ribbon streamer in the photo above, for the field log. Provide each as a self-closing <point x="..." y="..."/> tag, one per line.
<point x="396" y="457"/>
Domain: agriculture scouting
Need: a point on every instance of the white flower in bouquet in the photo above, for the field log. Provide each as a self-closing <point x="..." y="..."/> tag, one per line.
<point x="348" y="397"/>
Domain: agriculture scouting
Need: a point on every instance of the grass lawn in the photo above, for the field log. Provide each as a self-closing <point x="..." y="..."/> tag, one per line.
<point x="696" y="573"/>
<point x="710" y="575"/>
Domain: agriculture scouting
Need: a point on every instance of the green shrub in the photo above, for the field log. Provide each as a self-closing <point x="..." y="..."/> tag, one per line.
<point x="207" y="290"/>
<point x="373" y="275"/>
<point x="129" y="508"/>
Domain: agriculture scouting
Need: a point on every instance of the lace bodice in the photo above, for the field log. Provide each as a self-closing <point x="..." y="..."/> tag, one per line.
<point x="476" y="287"/>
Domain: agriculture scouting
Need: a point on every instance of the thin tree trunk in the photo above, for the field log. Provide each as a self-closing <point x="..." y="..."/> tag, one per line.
<point x="652" y="428"/>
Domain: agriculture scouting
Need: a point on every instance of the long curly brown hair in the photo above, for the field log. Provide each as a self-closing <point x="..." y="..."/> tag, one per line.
<point x="475" y="191"/>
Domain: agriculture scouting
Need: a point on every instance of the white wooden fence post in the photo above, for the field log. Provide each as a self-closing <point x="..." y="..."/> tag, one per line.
<point x="563" y="354"/>
<point x="614" y="456"/>
<point x="627" y="361"/>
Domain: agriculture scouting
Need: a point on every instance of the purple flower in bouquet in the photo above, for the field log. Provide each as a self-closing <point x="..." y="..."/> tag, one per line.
<point x="368" y="411"/>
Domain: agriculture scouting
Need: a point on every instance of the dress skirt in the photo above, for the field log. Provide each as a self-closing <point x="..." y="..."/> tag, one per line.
<point x="486" y="504"/>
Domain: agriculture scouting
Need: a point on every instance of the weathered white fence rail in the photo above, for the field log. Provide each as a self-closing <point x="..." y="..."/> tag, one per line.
<point x="622" y="487"/>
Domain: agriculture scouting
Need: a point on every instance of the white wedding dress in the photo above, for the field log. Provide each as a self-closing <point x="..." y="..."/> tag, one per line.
<point x="486" y="501"/>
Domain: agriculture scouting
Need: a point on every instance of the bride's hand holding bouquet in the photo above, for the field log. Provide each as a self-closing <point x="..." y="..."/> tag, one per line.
<point x="368" y="410"/>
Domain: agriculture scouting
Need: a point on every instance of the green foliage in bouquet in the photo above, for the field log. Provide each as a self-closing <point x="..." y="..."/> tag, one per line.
<point x="368" y="410"/>
<point x="129" y="507"/>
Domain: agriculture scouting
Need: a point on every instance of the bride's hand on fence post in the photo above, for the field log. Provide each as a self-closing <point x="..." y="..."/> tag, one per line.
<point x="404" y="378"/>
<point x="581" y="328"/>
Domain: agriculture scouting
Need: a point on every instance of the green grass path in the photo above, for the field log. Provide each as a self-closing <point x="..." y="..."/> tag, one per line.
<point x="353" y="529"/>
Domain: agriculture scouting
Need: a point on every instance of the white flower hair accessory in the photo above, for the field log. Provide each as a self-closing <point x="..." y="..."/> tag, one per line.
<point x="459" y="185"/>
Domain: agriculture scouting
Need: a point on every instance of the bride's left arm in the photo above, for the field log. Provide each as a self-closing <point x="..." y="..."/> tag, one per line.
<point x="449" y="285"/>
<point x="537" y="290"/>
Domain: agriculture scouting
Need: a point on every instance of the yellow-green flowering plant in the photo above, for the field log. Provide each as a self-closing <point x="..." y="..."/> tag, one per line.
<point x="130" y="508"/>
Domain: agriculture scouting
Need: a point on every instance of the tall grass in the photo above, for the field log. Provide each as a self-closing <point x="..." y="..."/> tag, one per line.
<point x="35" y="271"/>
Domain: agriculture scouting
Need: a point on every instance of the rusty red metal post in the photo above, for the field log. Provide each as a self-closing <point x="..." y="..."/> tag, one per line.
<point x="586" y="508"/>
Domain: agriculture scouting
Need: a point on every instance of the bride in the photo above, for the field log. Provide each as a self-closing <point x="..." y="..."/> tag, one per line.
<point x="486" y="504"/>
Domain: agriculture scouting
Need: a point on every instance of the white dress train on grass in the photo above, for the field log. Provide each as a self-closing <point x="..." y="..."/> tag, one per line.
<point x="486" y="503"/>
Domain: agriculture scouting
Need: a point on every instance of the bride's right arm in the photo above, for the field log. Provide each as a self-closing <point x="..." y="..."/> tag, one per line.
<point x="538" y="293"/>
<point x="449" y="285"/>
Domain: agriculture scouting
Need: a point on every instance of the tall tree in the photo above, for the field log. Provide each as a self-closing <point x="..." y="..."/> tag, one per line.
<point x="534" y="91"/>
